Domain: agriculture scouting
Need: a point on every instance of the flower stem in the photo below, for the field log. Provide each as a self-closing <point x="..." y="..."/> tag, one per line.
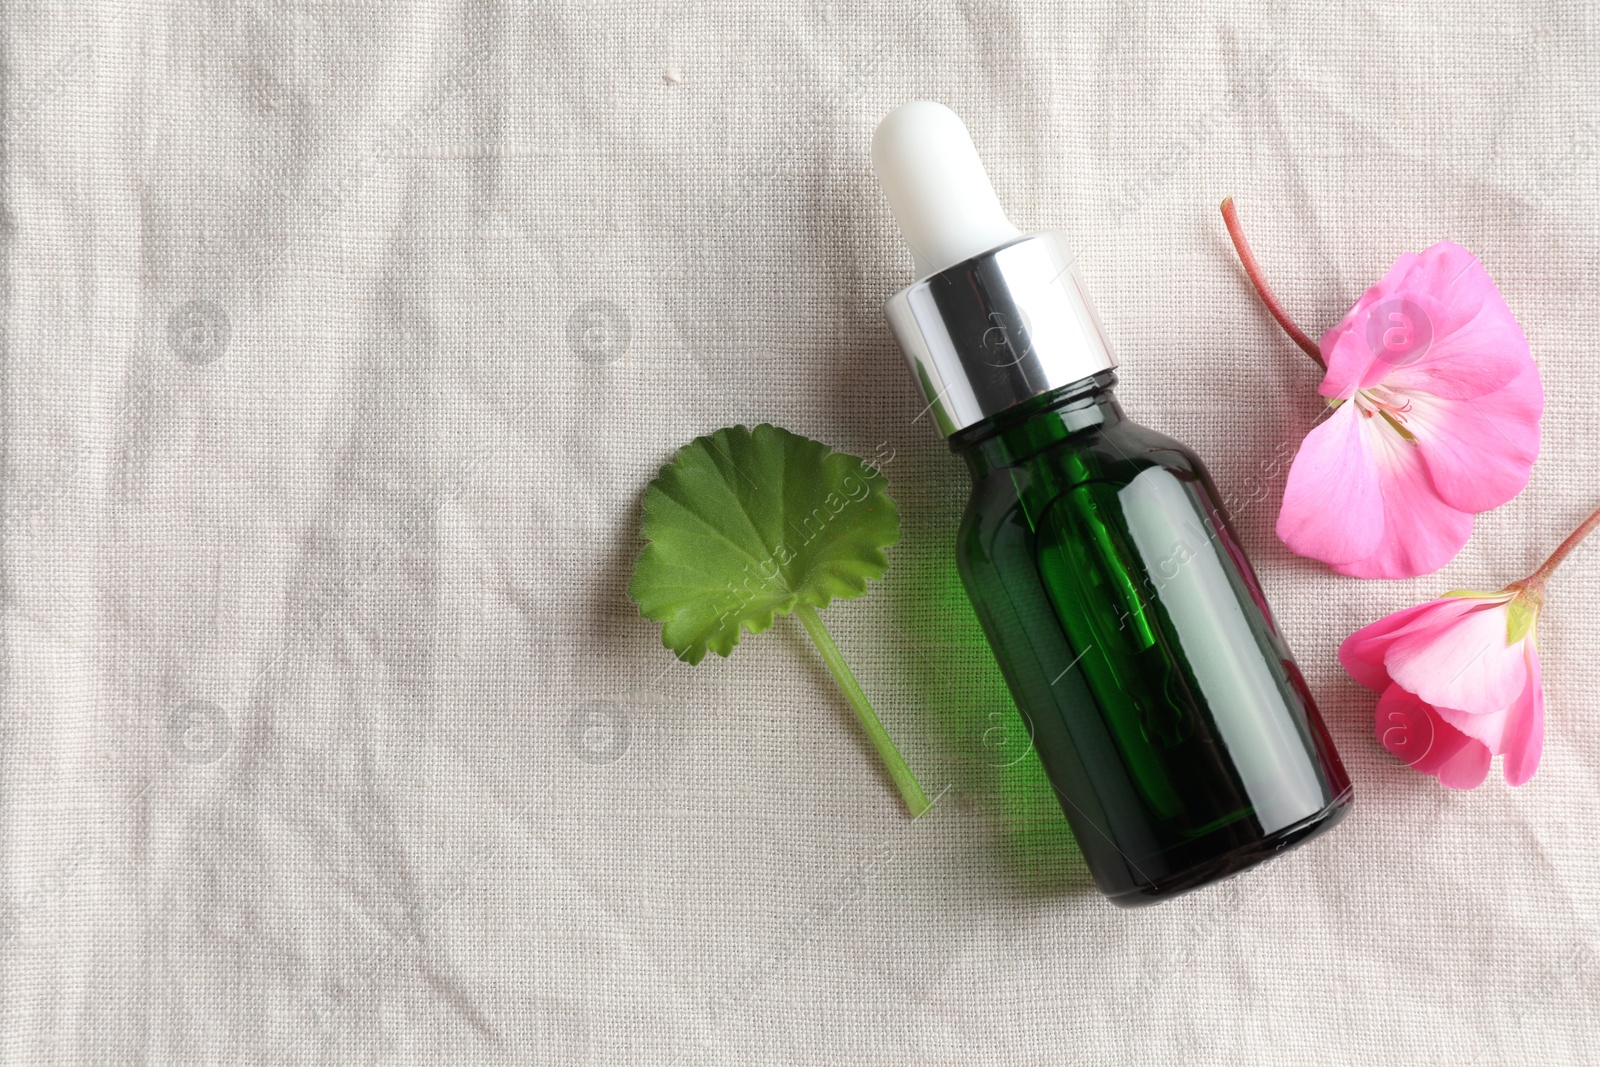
<point x="1537" y="579"/>
<point x="1230" y="219"/>
<point x="916" y="800"/>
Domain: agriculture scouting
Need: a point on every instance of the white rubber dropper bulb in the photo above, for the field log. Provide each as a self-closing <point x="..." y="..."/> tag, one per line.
<point x="937" y="187"/>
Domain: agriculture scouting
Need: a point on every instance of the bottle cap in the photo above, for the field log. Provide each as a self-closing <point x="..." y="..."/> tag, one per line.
<point x="997" y="317"/>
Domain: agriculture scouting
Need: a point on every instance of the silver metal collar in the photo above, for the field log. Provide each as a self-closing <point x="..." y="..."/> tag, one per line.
<point x="998" y="329"/>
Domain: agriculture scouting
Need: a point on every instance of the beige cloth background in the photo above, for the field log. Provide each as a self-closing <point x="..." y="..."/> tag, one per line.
<point x="340" y="341"/>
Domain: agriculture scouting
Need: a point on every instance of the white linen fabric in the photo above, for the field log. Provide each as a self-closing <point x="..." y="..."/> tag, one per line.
<point x="340" y="341"/>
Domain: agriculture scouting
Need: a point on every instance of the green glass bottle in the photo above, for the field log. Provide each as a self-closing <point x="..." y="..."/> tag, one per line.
<point x="1163" y="703"/>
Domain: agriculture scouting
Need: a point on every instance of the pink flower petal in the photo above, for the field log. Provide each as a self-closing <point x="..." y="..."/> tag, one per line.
<point x="1466" y="664"/>
<point x="1461" y="339"/>
<point x="1453" y="277"/>
<point x="1404" y="726"/>
<point x="1352" y="362"/>
<point x="1363" y="651"/>
<point x="1524" y="736"/>
<point x="1333" y="504"/>
<point x="1477" y="346"/>
<point x="1420" y="533"/>
<point x="1346" y="354"/>
<point x="1487" y="727"/>
<point x="1414" y="732"/>
<point x="1467" y="768"/>
<point x="1516" y="731"/>
<point x="1479" y="452"/>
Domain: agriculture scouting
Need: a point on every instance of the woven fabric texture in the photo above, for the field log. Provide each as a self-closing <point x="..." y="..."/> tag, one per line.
<point x="340" y="341"/>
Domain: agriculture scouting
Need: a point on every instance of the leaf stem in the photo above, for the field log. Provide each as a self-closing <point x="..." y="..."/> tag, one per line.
<point x="916" y="800"/>
<point x="1537" y="579"/>
<point x="1230" y="219"/>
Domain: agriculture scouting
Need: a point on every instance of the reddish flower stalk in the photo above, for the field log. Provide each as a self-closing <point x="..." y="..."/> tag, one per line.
<point x="1230" y="218"/>
<point x="1536" y="580"/>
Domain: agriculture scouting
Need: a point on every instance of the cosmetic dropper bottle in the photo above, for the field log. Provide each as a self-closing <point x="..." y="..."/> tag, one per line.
<point x="1165" y="707"/>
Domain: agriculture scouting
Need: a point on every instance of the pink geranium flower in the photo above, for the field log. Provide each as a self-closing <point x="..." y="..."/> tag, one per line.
<point x="1460" y="685"/>
<point x="1435" y="404"/>
<point x="1460" y="678"/>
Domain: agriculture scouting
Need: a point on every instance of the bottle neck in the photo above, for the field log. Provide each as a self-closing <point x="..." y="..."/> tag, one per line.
<point x="1031" y="427"/>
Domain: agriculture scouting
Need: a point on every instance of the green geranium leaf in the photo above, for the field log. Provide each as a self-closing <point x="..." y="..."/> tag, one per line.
<point x="746" y="525"/>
